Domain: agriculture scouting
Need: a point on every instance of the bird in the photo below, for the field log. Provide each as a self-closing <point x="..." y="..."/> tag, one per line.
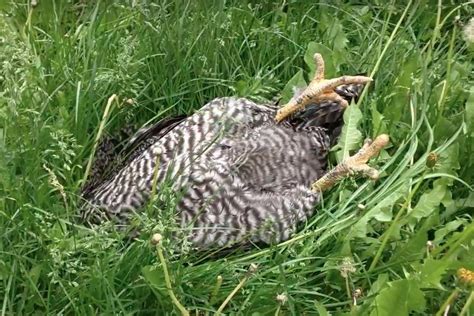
<point x="243" y="173"/>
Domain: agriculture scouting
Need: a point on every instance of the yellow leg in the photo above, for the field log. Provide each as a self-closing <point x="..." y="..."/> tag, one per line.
<point x="354" y="164"/>
<point x="320" y="88"/>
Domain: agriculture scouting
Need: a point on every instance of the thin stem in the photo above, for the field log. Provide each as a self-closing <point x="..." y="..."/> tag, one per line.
<point x="231" y="295"/>
<point x="181" y="308"/>
<point x="105" y="116"/>
<point x="466" y="306"/>
<point x="447" y="303"/>
<point x="277" y="312"/>
<point x="216" y="289"/>
<point x="348" y="288"/>
<point x="384" y="51"/>
<point x="436" y="30"/>
<point x="449" y="61"/>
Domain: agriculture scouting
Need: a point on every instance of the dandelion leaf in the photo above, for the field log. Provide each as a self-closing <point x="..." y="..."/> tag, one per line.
<point x="351" y="137"/>
<point x="400" y="297"/>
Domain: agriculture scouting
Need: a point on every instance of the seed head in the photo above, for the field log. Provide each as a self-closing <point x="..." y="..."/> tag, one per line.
<point x="432" y="159"/>
<point x="156" y="239"/>
<point x="347" y="267"/>
<point x="253" y="268"/>
<point x="357" y="293"/>
<point x="281" y="299"/>
<point x="430" y="245"/>
<point x="469" y="31"/>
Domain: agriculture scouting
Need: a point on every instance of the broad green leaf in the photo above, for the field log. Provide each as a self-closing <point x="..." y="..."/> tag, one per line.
<point x="449" y="160"/>
<point x="470" y="113"/>
<point x="399" y="298"/>
<point x="351" y="137"/>
<point x="334" y="35"/>
<point x="448" y="228"/>
<point x="467" y="202"/>
<point x="155" y="277"/>
<point x="381" y="212"/>
<point x="428" y="202"/>
<point x="336" y="32"/>
<point x="445" y="129"/>
<point x="413" y="246"/>
<point x="378" y="285"/>
<point x="431" y="272"/>
<point x="330" y="68"/>
<point x="375" y="288"/>
<point x="294" y="83"/>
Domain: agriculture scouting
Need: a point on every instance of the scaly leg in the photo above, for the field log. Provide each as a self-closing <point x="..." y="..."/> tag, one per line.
<point x="320" y="89"/>
<point x="353" y="164"/>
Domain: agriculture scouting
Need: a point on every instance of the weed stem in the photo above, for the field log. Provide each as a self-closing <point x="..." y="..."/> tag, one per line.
<point x="216" y="289"/>
<point x="444" y="309"/>
<point x="234" y="291"/>
<point x="181" y="308"/>
<point x="105" y="116"/>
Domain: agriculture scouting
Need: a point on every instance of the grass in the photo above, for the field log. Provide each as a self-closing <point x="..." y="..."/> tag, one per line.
<point x="398" y="242"/>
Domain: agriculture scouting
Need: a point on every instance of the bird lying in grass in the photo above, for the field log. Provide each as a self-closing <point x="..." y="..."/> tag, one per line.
<point x="244" y="172"/>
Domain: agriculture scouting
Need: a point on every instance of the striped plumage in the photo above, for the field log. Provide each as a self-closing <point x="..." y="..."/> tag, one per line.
<point x="239" y="175"/>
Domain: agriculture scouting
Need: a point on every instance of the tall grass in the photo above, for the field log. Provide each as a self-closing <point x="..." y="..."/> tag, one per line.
<point x="396" y="244"/>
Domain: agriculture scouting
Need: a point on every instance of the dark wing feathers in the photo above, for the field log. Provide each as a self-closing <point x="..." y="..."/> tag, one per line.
<point x="115" y="152"/>
<point x="327" y="114"/>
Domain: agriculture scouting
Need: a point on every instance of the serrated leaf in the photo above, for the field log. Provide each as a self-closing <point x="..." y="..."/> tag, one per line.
<point x="432" y="271"/>
<point x="296" y="82"/>
<point x="470" y="113"/>
<point x="351" y="137"/>
<point x="327" y="53"/>
<point x="336" y="32"/>
<point x="382" y="212"/>
<point x="399" y="298"/>
<point x="414" y="247"/>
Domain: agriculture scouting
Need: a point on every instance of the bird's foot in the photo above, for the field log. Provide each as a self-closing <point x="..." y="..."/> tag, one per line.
<point x="356" y="164"/>
<point x="319" y="89"/>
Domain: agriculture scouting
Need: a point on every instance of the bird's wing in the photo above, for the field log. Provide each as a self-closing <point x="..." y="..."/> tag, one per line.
<point x="112" y="154"/>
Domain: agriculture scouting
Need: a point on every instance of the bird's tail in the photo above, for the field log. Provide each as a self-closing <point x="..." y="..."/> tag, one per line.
<point x="327" y="114"/>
